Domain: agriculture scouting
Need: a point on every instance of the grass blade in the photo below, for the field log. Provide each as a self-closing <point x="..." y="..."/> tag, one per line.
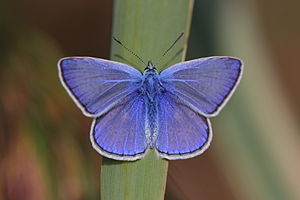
<point x="147" y="27"/>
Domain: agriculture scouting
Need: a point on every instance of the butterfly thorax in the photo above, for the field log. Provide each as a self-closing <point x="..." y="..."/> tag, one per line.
<point x="151" y="85"/>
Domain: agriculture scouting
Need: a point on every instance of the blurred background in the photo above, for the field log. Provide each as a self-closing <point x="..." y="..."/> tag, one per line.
<point x="45" y="151"/>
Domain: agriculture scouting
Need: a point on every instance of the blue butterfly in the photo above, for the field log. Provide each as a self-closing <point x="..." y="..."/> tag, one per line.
<point x="135" y="111"/>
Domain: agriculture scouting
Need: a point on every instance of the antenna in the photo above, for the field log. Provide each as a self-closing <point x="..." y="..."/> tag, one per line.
<point x="118" y="41"/>
<point x="178" y="38"/>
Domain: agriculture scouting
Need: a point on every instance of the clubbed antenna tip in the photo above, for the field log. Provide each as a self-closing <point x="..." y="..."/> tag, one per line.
<point x="178" y="38"/>
<point x="119" y="42"/>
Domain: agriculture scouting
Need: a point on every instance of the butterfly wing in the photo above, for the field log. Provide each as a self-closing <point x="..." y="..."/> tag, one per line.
<point x="183" y="133"/>
<point x="96" y="85"/>
<point x="120" y="133"/>
<point x="203" y="84"/>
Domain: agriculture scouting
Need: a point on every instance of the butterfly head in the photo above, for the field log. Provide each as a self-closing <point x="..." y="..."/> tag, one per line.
<point x="150" y="69"/>
<point x="150" y="66"/>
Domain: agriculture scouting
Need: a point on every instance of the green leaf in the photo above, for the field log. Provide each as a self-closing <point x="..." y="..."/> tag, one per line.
<point x="147" y="27"/>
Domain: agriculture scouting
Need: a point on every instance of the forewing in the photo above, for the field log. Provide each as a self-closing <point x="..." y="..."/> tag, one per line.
<point x="204" y="84"/>
<point x="183" y="133"/>
<point x="120" y="133"/>
<point x="96" y="85"/>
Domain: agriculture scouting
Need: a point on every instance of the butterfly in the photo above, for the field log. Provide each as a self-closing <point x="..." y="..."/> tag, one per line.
<point x="134" y="111"/>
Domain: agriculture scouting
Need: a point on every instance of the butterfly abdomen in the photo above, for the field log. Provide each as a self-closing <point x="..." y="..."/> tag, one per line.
<point x="152" y="117"/>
